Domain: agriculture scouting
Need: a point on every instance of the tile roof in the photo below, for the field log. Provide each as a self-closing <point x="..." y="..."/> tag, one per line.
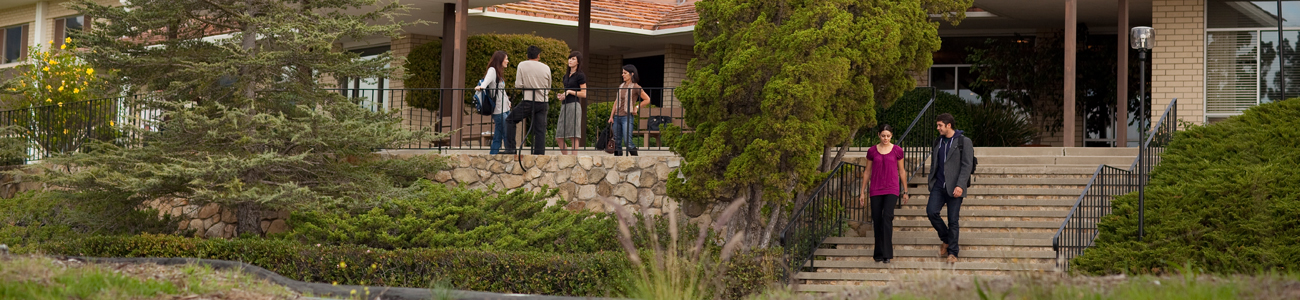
<point x="622" y="13"/>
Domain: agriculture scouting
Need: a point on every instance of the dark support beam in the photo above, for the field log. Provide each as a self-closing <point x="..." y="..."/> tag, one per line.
<point x="584" y="45"/>
<point x="448" y="57"/>
<point x="1121" y="78"/>
<point x="458" y="68"/>
<point x="1071" y="41"/>
<point x="1281" y="42"/>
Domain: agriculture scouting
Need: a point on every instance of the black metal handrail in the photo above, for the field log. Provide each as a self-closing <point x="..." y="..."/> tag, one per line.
<point x="1079" y="230"/>
<point x="822" y="216"/>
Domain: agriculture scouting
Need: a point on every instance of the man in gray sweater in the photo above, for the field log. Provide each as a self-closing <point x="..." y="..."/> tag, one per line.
<point x="534" y="79"/>
<point x="951" y="163"/>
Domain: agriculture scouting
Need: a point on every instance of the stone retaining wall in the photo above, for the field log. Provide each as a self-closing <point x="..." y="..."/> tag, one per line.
<point x="583" y="181"/>
<point x="213" y="220"/>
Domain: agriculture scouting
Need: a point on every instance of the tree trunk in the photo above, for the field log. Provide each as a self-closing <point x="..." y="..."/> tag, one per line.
<point x="248" y="44"/>
<point x="844" y="148"/>
<point x="753" y="226"/>
<point x="826" y="157"/>
<point x="250" y="216"/>
<point x="774" y="218"/>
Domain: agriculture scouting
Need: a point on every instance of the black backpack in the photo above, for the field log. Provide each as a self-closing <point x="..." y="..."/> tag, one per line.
<point x="485" y="100"/>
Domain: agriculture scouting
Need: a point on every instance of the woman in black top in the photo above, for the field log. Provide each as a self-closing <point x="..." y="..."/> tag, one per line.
<point x="575" y="87"/>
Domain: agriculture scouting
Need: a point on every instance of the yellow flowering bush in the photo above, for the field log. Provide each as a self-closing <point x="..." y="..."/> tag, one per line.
<point x="52" y="91"/>
<point x="56" y="77"/>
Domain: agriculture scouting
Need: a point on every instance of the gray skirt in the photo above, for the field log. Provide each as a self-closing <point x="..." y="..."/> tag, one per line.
<point x="570" y="122"/>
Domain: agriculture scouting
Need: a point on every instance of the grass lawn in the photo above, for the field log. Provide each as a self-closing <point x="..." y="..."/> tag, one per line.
<point x="1050" y="286"/>
<point x="38" y="277"/>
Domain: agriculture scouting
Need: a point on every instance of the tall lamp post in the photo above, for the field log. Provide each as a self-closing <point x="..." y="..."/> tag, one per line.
<point x="1142" y="38"/>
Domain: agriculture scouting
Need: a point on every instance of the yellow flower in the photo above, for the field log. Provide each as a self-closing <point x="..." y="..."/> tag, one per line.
<point x="75" y="90"/>
<point x="67" y="40"/>
<point x="48" y="100"/>
<point x="90" y="71"/>
<point x="60" y="88"/>
<point x="47" y="87"/>
<point x="354" y="292"/>
<point x="61" y="105"/>
<point x="343" y="264"/>
<point x="47" y="69"/>
<point x="334" y="283"/>
<point x="64" y="46"/>
<point x="110" y="123"/>
<point x="51" y="42"/>
<point x="374" y="266"/>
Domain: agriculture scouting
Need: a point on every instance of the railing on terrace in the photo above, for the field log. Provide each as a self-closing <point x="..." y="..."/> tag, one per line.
<point x="476" y="130"/>
<point x="1079" y="230"/>
<point x="835" y="200"/>
<point x="66" y="127"/>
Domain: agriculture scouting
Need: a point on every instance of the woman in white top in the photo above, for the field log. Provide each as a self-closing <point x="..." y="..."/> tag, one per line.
<point x="496" y="67"/>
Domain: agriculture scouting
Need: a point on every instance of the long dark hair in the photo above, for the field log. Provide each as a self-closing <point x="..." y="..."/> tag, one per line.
<point x="579" y="68"/>
<point x="886" y="127"/>
<point x="636" y="77"/>
<point x="499" y="63"/>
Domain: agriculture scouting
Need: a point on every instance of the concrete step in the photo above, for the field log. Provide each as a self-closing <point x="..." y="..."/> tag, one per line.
<point x="934" y="240"/>
<point x="1054" y="151"/>
<point x="899" y="253"/>
<point x="924" y="265"/>
<point x="918" y="200"/>
<point x="974" y="235"/>
<point x="985" y="224"/>
<point x="982" y="180"/>
<point x="975" y="191"/>
<point x="1056" y="213"/>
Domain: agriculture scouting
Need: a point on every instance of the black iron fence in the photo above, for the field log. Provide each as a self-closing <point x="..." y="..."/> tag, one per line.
<point x="822" y="216"/>
<point x="472" y="131"/>
<point x="1079" y="230"/>
<point x="66" y="127"/>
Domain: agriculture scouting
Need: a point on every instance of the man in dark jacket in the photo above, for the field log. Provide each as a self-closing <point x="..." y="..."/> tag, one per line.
<point x="951" y="162"/>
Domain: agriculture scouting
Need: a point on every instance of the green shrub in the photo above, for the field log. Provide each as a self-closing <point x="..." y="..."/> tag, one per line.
<point x="36" y="217"/>
<point x="13" y="149"/>
<point x="987" y="124"/>
<point x="441" y="217"/>
<point x="572" y="274"/>
<point x="1223" y="198"/>
<point x="995" y="124"/>
<point x="424" y="63"/>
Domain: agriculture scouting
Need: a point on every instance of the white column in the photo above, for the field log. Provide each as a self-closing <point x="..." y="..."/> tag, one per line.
<point x="38" y="26"/>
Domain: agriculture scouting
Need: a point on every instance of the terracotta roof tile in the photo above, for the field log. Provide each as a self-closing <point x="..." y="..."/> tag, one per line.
<point x="622" y="13"/>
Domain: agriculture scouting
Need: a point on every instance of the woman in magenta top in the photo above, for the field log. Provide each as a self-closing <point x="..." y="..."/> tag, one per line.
<point x="885" y="173"/>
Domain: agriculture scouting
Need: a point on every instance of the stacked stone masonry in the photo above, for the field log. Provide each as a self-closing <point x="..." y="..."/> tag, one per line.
<point x="637" y="183"/>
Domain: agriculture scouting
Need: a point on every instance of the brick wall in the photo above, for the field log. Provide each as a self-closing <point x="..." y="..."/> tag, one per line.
<point x="676" y="58"/>
<point x="400" y="48"/>
<point x="604" y="72"/>
<point x="1178" y="59"/>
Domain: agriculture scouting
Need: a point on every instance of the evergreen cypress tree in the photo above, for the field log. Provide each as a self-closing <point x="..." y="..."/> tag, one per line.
<point x="246" y="122"/>
<point x="778" y="83"/>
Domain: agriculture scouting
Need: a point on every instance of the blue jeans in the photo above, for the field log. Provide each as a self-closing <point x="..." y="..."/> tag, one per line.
<point x="498" y="131"/>
<point x="947" y="233"/>
<point x="623" y="133"/>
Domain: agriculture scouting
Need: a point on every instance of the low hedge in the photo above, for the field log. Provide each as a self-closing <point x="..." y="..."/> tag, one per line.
<point x="572" y="274"/>
<point x="568" y="274"/>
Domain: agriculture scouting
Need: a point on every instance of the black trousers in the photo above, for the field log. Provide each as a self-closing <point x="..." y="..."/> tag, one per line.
<point x="947" y="233"/>
<point x="882" y="223"/>
<point x="536" y="111"/>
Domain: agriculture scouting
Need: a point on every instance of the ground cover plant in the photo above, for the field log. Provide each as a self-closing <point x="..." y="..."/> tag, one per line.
<point x="1223" y="198"/>
<point x="437" y="216"/>
<point x="39" y="278"/>
<point x="1187" y="285"/>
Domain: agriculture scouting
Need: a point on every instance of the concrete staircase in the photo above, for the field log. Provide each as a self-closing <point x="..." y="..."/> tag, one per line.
<point x="1017" y="200"/>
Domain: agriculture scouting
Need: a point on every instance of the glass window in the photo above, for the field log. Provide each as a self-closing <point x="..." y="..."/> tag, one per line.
<point x="944" y="78"/>
<point x="13" y="44"/>
<point x="1232" y="71"/>
<point x="1250" y="14"/>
